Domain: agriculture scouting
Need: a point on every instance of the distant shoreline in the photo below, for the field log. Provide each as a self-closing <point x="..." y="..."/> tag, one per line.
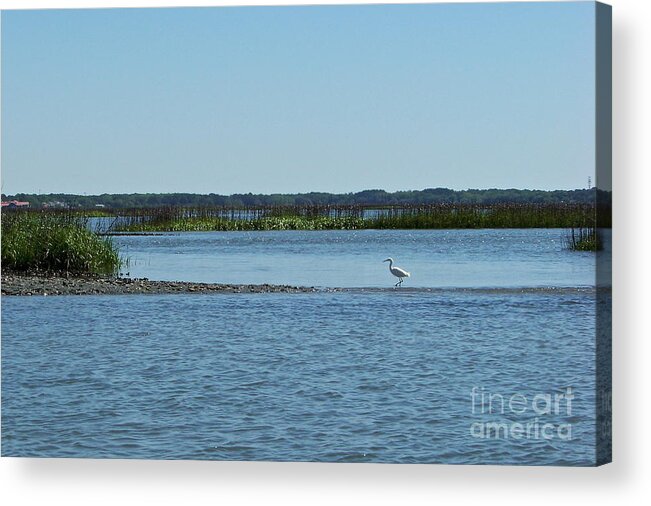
<point x="15" y="284"/>
<point x="368" y="198"/>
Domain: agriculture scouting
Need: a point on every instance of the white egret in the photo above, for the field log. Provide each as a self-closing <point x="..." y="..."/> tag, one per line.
<point x="397" y="272"/>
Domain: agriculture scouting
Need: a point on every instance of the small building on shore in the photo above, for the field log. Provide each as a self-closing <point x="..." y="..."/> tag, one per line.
<point x="14" y="204"/>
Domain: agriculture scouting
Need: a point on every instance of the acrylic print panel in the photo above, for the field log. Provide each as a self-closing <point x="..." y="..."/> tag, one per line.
<point x="326" y="233"/>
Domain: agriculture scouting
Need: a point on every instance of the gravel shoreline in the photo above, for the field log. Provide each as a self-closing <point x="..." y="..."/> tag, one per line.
<point x="28" y="285"/>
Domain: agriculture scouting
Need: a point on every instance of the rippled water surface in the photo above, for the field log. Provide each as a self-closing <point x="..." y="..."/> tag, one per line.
<point x="368" y="374"/>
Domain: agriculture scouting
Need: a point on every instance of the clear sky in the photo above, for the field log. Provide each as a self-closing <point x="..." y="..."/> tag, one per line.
<point x="296" y="99"/>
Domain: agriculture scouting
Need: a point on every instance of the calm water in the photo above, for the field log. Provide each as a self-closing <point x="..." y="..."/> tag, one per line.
<point x="363" y="375"/>
<point x="435" y="258"/>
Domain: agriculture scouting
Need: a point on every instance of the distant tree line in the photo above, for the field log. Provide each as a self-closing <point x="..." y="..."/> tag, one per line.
<point x="364" y="198"/>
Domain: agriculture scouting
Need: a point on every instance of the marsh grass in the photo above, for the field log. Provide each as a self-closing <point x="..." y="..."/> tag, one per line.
<point x="55" y="243"/>
<point x="439" y="216"/>
<point x="583" y="239"/>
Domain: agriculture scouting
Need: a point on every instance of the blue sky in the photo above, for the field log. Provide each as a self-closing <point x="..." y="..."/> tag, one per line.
<point x="295" y="99"/>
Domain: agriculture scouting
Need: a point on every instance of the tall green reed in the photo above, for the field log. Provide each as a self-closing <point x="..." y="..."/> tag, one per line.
<point x="437" y="216"/>
<point x="55" y="243"/>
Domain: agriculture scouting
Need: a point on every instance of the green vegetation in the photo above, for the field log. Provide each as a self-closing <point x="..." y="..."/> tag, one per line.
<point x="429" y="196"/>
<point x="61" y="243"/>
<point x="442" y="216"/>
<point x="583" y="239"/>
<point x="268" y="223"/>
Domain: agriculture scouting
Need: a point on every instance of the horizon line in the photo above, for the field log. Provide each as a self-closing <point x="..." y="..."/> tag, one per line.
<point x="309" y="192"/>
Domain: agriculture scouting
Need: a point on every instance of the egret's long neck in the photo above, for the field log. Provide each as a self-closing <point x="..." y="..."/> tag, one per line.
<point x="390" y="264"/>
